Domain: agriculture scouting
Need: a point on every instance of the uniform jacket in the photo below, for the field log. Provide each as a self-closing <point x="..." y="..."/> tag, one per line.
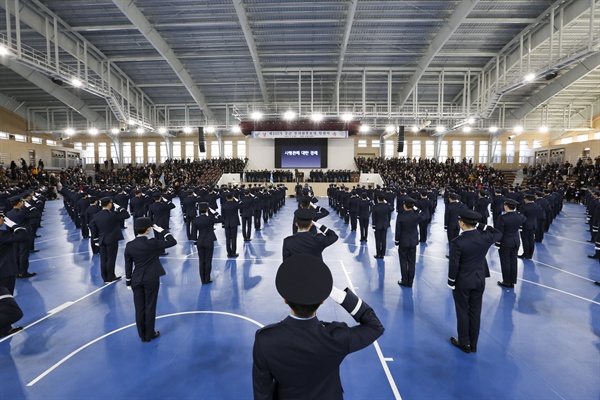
<point x="532" y="212"/>
<point x="406" y="227"/>
<point x="106" y="225"/>
<point x="381" y="215"/>
<point x="451" y="215"/>
<point x="508" y="224"/>
<point x="203" y="230"/>
<point x="309" y="242"/>
<point x="8" y="262"/>
<point x="229" y="211"/>
<point x="160" y="213"/>
<point x="300" y="359"/>
<point x="144" y="252"/>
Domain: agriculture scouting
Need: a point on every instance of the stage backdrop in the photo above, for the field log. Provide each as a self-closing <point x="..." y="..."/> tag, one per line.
<point x="261" y="154"/>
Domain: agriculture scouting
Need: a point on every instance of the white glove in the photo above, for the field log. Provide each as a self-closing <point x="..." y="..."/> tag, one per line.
<point x="128" y="287"/>
<point x="9" y="222"/>
<point x="27" y="204"/>
<point x="211" y="211"/>
<point x="416" y="208"/>
<point x="157" y="228"/>
<point x="337" y="295"/>
<point x="317" y="225"/>
<point x="452" y="287"/>
<point x="116" y="206"/>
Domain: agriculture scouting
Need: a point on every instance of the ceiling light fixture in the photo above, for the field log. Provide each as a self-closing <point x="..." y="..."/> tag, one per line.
<point x="3" y="51"/>
<point x="162" y="130"/>
<point x="289" y="115"/>
<point x="493" y="129"/>
<point x="415" y="129"/>
<point x="114" y="131"/>
<point x="543" y="129"/>
<point x="76" y="82"/>
<point x="440" y="129"/>
<point x="256" y="115"/>
<point x="529" y="77"/>
<point x="471" y="121"/>
<point x="347" y="117"/>
<point x="317" y="117"/>
<point x="93" y="131"/>
<point x="390" y="128"/>
<point x="518" y="129"/>
<point x="140" y="130"/>
<point x="132" y="122"/>
<point x="466" y="129"/>
<point x="236" y="129"/>
<point x="69" y="131"/>
<point x="364" y="128"/>
<point x="210" y="129"/>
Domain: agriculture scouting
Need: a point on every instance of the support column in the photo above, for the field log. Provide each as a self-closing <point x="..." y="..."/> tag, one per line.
<point x="169" y="145"/>
<point x="119" y="148"/>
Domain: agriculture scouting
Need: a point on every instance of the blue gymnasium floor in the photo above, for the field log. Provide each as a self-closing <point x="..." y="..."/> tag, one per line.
<point x="80" y="342"/>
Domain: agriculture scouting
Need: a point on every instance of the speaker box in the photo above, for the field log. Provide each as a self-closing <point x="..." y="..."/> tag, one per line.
<point x="201" y="140"/>
<point x="400" y="139"/>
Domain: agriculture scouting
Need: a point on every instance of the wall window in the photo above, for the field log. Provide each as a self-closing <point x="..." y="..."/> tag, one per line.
<point x="537" y="144"/>
<point x="389" y="149"/>
<point x="429" y="149"/>
<point x="228" y="149"/>
<point x="177" y="150"/>
<point x="375" y="143"/>
<point x="36" y="140"/>
<point x="483" y="151"/>
<point x="139" y="152"/>
<point x="416" y="149"/>
<point x="214" y="149"/>
<point x="151" y="149"/>
<point x="20" y="138"/>
<point x="362" y="142"/>
<point x="457" y="150"/>
<point x="189" y="150"/>
<point x="510" y="151"/>
<point x="102" y="152"/>
<point x="241" y="149"/>
<point x="523" y="151"/>
<point x="566" y="140"/>
<point x="443" y="156"/>
<point x="582" y="138"/>
<point x="126" y="152"/>
<point x="498" y="153"/>
<point x="597" y="136"/>
<point x="163" y="152"/>
<point x="3" y="135"/>
<point x="90" y="157"/>
<point x="78" y="146"/>
<point x="470" y="150"/>
<point x="51" y="142"/>
<point x="404" y="152"/>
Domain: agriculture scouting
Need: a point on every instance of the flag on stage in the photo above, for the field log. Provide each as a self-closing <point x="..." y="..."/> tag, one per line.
<point x="162" y="180"/>
<point x="271" y="178"/>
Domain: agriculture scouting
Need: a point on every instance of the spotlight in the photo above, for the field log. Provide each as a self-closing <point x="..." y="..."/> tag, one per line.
<point x="140" y="130"/>
<point x="466" y="129"/>
<point x="364" y="128"/>
<point x="114" y="131"/>
<point x="256" y="115"/>
<point x="317" y="117"/>
<point x="518" y="129"/>
<point x="210" y="129"/>
<point x="493" y="129"/>
<point x="390" y="128"/>
<point x="3" y="51"/>
<point x="69" y="131"/>
<point x="236" y="129"/>
<point x="93" y="131"/>
<point x="415" y="129"/>
<point x="289" y="115"/>
<point x="440" y="129"/>
<point x="529" y="77"/>
<point x="347" y="117"/>
<point x="76" y="82"/>
<point x="162" y="130"/>
<point x="543" y="129"/>
<point x="187" y="129"/>
<point x="471" y="121"/>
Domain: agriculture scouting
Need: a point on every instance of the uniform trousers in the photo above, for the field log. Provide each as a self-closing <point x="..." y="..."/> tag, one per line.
<point x="380" y="242"/>
<point x="205" y="255"/>
<point x="145" y="295"/>
<point x="108" y="259"/>
<point x="247" y="228"/>
<point x="9" y="283"/>
<point x="257" y="220"/>
<point x="527" y="238"/>
<point x="423" y="231"/>
<point x="508" y="263"/>
<point x="9" y="317"/>
<point x="353" y="219"/>
<point x="364" y="228"/>
<point x="408" y="256"/>
<point x="21" y="250"/>
<point x="467" y="303"/>
<point x="231" y="239"/>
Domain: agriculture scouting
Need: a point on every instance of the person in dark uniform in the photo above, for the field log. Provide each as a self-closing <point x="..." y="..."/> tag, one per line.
<point x="10" y="236"/>
<point x="381" y="215"/>
<point x="142" y="273"/>
<point x="231" y="221"/>
<point x="189" y="209"/>
<point x="10" y="312"/>
<point x="497" y="205"/>
<point x="481" y="206"/>
<point x="137" y="206"/>
<point x="299" y="357"/>
<point x="87" y="217"/>
<point x="509" y="224"/>
<point x="424" y="204"/>
<point x="353" y="203"/>
<point x="17" y="218"/>
<point x="541" y="222"/>
<point x="532" y="212"/>
<point x="467" y="271"/>
<point x="246" y="205"/>
<point x="159" y="213"/>
<point x="407" y="239"/>
<point x="320" y="212"/>
<point x="307" y="240"/>
<point x="106" y="230"/>
<point x="203" y="232"/>
<point x="364" y="213"/>
<point x="122" y="199"/>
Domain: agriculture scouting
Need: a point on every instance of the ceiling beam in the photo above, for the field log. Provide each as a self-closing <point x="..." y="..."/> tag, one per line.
<point x="347" y="29"/>
<point x="20" y="108"/>
<point x="556" y="86"/>
<point x="62" y="94"/>
<point x="458" y="16"/>
<point x="129" y="9"/>
<point x="245" y="25"/>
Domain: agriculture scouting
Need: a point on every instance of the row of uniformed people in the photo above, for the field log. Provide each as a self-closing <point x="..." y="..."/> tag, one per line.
<point x="592" y="210"/>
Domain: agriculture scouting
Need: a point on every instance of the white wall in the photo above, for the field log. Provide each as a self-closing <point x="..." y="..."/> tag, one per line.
<point x="261" y="154"/>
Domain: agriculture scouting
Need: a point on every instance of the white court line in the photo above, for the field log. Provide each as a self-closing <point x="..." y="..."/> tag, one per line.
<point x="57" y="238"/>
<point x="572" y="240"/>
<point x="544" y="286"/>
<point x="57" y="309"/>
<point x="382" y="359"/>
<point x="63" y="255"/>
<point x="562" y="270"/>
<point x="73" y="353"/>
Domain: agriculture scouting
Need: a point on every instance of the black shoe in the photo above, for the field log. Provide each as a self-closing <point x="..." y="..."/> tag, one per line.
<point x="156" y="334"/>
<point x="466" y="348"/>
<point x="596" y="283"/>
<point x="12" y="331"/>
<point x="592" y="256"/>
<point x="402" y="283"/>
<point x="37" y="236"/>
<point x="506" y="285"/>
<point x="26" y="275"/>
<point x="590" y="241"/>
<point x="163" y="254"/>
<point x="473" y="349"/>
<point x="521" y="256"/>
<point x="33" y="251"/>
<point x="233" y="255"/>
<point x="117" y="278"/>
<point x="447" y="256"/>
<point x="208" y="281"/>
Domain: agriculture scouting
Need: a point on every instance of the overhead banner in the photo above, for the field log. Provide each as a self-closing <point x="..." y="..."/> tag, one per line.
<point x="299" y="134"/>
